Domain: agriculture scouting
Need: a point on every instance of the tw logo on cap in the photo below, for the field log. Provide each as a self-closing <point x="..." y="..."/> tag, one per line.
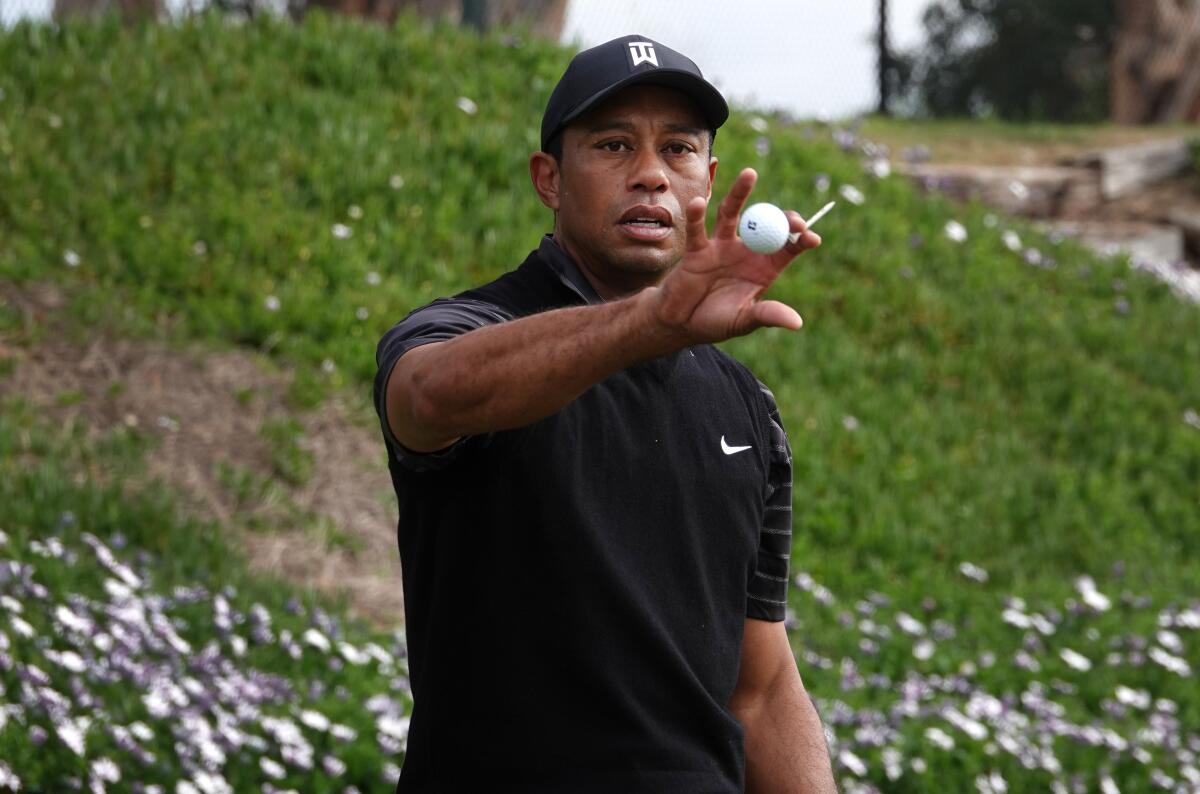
<point x="642" y="52"/>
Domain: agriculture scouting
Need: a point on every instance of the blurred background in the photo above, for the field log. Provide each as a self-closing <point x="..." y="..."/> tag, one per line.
<point x="210" y="213"/>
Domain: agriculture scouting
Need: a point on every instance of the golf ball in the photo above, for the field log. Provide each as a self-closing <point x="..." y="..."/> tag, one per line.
<point x="764" y="228"/>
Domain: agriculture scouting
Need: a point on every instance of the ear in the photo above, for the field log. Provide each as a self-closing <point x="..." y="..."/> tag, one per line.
<point x="543" y="170"/>
<point x="712" y="175"/>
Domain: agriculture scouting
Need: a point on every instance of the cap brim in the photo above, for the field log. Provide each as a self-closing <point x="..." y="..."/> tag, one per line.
<point x="712" y="105"/>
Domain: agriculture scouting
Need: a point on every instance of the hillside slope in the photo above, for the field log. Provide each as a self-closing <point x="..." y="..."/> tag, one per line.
<point x="962" y="398"/>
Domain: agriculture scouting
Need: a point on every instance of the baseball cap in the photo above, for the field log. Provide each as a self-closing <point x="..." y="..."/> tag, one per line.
<point x="605" y="69"/>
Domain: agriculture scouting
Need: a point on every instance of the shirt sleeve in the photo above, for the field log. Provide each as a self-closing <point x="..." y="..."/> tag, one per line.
<point x="439" y="321"/>
<point x="766" y="598"/>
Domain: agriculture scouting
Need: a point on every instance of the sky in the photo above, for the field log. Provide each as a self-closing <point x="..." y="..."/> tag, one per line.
<point x="812" y="58"/>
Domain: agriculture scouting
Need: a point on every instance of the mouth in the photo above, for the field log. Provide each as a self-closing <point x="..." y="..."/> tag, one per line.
<point x="645" y="222"/>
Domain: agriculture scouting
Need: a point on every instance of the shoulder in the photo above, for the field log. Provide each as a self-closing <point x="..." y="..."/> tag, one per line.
<point x="531" y="288"/>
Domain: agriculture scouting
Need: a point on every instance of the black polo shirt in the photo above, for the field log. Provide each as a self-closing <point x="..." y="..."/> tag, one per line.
<point x="575" y="590"/>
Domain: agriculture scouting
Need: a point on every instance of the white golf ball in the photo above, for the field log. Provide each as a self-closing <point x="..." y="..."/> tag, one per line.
<point x="763" y="228"/>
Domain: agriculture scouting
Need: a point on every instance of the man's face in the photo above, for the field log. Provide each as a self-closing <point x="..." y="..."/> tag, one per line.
<point x="629" y="168"/>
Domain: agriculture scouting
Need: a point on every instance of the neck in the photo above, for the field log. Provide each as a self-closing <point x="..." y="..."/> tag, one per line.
<point x="609" y="283"/>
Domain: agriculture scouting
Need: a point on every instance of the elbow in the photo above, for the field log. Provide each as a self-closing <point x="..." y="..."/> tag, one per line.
<point x="430" y="402"/>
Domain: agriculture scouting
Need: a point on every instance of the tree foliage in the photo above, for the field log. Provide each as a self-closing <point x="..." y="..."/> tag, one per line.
<point x="1015" y="59"/>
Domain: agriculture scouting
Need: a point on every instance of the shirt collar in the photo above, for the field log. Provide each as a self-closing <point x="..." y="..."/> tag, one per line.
<point x="568" y="272"/>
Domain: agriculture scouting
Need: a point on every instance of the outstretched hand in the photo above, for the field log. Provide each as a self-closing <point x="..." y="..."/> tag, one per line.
<point x="713" y="293"/>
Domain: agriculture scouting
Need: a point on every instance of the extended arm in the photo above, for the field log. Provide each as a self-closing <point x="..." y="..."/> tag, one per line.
<point x="785" y="744"/>
<point x="515" y="373"/>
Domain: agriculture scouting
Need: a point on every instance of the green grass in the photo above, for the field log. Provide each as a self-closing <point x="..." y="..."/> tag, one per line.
<point x="1025" y="419"/>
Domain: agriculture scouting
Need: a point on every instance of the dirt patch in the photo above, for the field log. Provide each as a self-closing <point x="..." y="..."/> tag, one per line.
<point x="334" y="531"/>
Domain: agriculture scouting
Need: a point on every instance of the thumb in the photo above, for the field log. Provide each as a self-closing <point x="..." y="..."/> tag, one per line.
<point x="777" y="315"/>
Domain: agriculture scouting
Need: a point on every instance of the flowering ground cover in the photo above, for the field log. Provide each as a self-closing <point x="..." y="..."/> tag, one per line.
<point x="136" y="654"/>
<point x="996" y="434"/>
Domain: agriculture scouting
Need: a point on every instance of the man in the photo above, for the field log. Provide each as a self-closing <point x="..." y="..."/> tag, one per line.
<point x="595" y="502"/>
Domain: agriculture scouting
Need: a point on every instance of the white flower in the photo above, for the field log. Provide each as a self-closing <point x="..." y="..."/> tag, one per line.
<point x="1091" y="596"/>
<point x="156" y="704"/>
<point x="924" y="649"/>
<point x="21" y="627"/>
<point x="343" y="732"/>
<point x="396" y="181"/>
<point x="973" y="572"/>
<point x="104" y="769"/>
<point x="759" y="124"/>
<point x="1018" y="190"/>
<point x="7" y="779"/>
<point x="354" y="211"/>
<point x="72" y="734"/>
<point x="1075" y="660"/>
<point x="852" y="194"/>
<point x="373" y="278"/>
<point x="316" y="639"/>
<point x="853" y="763"/>
<point x="956" y="232"/>
<point x="1170" y="640"/>
<point x="341" y="231"/>
<point x="11" y="604"/>
<point x="272" y="303"/>
<point x="850" y="422"/>
<point x="939" y="738"/>
<point x="1175" y="664"/>
<point x="1012" y="240"/>
<point x="396" y="727"/>
<point x="970" y="727"/>
<point x="353" y="655"/>
<point x="315" y="720"/>
<point x="910" y="625"/>
<point x="879" y="168"/>
<point x="362" y="313"/>
<point x="467" y="106"/>
<point x="71" y="259"/>
<point x="68" y="660"/>
<point x="1014" y="618"/>
<point x="118" y="591"/>
<point x="1137" y="698"/>
<point x="272" y="769"/>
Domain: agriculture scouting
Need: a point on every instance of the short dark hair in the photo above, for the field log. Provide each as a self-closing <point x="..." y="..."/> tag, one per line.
<point x="554" y="146"/>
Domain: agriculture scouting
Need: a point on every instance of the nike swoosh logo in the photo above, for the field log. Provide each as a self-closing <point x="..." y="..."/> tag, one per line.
<point x="728" y="450"/>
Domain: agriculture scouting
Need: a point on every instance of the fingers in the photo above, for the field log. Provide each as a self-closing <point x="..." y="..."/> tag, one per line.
<point x="731" y="206"/>
<point x="804" y="242"/>
<point x="694" y="212"/>
<point x="777" y="315"/>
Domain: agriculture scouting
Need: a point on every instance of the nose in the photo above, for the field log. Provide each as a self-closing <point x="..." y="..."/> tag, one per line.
<point x="647" y="172"/>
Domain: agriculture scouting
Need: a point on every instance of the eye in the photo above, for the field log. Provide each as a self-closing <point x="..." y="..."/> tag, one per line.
<point x="679" y="148"/>
<point x="614" y="146"/>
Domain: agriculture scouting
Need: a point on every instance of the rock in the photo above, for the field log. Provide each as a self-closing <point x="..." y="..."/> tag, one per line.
<point x="1128" y="169"/>
<point x="1188" y="221"/>
<point x="1146" y="242"/>
<point x="1033" y="191"/>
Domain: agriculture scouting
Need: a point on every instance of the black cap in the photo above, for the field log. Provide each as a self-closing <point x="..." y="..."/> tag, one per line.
<point x="630" y="60"/>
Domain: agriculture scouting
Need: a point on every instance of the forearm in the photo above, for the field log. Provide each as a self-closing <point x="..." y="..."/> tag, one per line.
<point x="515" y="373"/>
<point x="785" y="744"/>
